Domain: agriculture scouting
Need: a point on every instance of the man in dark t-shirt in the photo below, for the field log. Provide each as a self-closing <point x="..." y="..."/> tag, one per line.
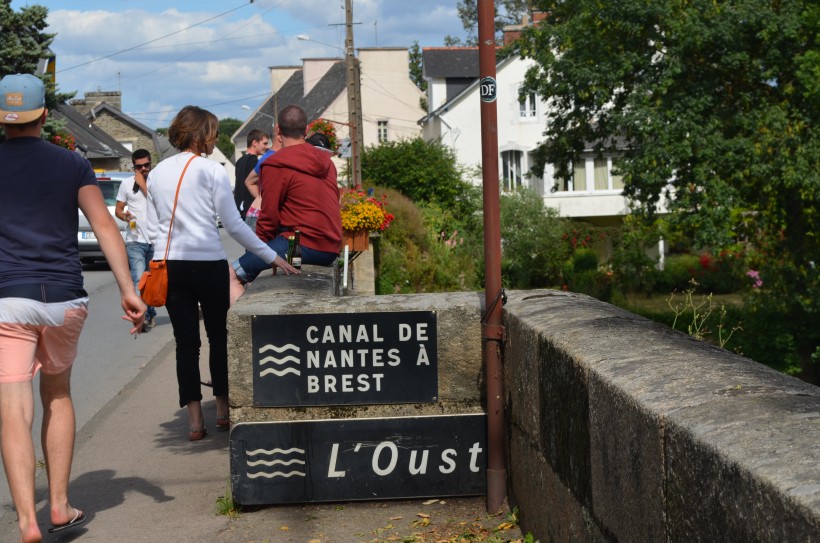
<point x="42" y="302"/>
<point x="258" y="143"/>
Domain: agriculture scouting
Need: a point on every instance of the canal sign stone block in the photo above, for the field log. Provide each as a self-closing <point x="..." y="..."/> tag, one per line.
<point x="358" y="459"/>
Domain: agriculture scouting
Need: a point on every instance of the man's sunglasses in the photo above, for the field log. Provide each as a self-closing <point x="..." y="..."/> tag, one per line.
<point x="147" y="165"/>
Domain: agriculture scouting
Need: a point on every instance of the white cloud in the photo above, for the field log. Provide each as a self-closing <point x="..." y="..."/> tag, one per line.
<point x="223" y="62"/>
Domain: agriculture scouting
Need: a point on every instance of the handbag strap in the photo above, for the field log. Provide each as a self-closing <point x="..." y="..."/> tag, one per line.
<point x="173" y="212"/>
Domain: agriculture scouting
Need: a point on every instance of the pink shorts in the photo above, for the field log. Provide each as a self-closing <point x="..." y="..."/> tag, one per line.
<point x="35" y="336"/>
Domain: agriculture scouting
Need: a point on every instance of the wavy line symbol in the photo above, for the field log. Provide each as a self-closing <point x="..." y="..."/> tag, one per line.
<point x="280" y="350"/>
<point x="279" y="361"/>
<point x="254" y="452"/>
<point x="279" y="373"/>
<point x="298" y="453"/>
<point x="276" y="474"/>
<point x="274" y="462"/>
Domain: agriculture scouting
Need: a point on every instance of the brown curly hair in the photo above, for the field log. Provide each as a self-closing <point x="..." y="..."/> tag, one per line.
<point x="192" y="129"/>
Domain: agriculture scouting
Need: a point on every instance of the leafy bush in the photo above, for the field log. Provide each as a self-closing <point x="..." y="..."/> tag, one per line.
<point x="585" y="260"/>
<point x="412" y="257"/>
<point x="721" y="275"/>
<point x="423" y="171"/>
<point x="634" y="270"/>
<point x="677" y="273"/>
<point x="533" y="247"/>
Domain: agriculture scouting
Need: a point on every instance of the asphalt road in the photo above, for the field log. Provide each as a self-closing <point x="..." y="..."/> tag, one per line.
<point x="109" y="357"/>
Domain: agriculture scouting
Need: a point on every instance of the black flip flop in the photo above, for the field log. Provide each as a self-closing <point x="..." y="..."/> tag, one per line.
<point x="79" y="518"/>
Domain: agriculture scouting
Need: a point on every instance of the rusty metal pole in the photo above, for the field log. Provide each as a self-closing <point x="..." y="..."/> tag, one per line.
<point x="354" y="99"/>
<point x="492" y="329"/>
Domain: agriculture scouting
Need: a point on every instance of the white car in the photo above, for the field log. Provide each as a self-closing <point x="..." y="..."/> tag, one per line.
<point x="86" y="240"/>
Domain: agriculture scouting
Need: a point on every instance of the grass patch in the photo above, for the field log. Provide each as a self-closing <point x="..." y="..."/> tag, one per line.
<point x="226" y="506"/>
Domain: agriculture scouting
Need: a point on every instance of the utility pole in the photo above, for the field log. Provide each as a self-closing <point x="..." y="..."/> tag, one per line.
<point x="492" y="327"/>
<point x="354" y="99"/>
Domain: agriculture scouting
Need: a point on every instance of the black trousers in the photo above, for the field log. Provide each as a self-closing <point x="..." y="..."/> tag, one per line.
<point x="193" y="284"/>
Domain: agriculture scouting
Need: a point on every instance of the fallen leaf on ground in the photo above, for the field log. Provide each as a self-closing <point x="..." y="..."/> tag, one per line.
<point x="430" y="502"/>
<point x="395" y="518"/>
<point x="423" y="515"/>
<point x="314" y="541"/>
<point x="506" y="526"/>
<point x="284" y="528"/>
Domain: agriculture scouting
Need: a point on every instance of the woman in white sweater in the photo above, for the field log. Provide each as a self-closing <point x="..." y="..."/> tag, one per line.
<point x="197" y="263"/>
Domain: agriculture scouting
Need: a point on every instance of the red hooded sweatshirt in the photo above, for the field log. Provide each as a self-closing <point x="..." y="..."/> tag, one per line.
<point x="299" y="191"/>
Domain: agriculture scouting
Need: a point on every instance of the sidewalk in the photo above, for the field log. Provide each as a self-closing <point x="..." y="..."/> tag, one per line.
<point x="138" y="479"/>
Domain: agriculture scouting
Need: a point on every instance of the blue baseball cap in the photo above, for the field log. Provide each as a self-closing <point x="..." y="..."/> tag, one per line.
<point x="22" y="98"/>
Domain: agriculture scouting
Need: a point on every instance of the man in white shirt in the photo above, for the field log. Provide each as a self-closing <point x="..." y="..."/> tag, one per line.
<point x="131" y="208"/>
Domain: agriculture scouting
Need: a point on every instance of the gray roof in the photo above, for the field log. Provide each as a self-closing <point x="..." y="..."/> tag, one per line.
<point x="450" y="62"/>
<point x="317" y="101"/>
<point x="457" y="88"/>
<point x="93" y="141"/>
<point x="165" y="147"/>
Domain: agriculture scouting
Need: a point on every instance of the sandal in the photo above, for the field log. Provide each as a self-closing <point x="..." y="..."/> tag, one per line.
<point x="223" y="423"/>
<point x="195" y="434"/>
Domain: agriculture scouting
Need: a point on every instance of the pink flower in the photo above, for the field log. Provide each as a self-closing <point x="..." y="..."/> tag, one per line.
<point x="754" y="275"/>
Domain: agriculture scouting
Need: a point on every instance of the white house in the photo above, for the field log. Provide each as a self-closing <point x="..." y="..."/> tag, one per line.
<point x="594" y="193"/>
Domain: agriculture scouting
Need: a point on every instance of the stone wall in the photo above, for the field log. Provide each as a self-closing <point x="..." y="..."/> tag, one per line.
<point x="618" y="428"/>
<point x="621" y="429"/>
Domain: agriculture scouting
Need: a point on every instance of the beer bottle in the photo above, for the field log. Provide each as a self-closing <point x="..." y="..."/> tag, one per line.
<point x="290" y="248"/>
<point x="296" y="259"/>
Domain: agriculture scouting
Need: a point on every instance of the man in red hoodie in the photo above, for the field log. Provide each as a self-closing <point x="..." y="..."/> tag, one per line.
<point x="299" y="192"/>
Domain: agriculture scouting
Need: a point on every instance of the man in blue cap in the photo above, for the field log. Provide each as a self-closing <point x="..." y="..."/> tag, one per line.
<point x="42" y="302"/>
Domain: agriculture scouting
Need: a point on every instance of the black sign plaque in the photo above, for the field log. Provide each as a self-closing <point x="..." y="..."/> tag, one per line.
<point x="344" y="359"/>
<point x="489" y="89"/>
<point x="358" y="459"/>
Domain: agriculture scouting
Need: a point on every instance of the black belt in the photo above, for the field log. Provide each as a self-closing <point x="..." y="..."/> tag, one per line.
<point x="48" y="294"/>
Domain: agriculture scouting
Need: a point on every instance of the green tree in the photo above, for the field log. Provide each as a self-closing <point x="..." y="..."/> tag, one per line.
<point x="22" y="45"/>
<point x="715" y="108"/>
<point x="227" y="127"/>
<point x="416" y="68"/>
<point x="510" y="13"/>
<point x="417" y="72"/>
<point x="421" y="170"/>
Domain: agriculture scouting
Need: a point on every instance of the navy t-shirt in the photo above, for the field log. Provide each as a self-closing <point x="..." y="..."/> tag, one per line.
<point x="39" y="186"/>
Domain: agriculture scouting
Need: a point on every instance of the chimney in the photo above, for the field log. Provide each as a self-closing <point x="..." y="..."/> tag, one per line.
<point x="112" y="98"/>
<point x="513" y="32"/>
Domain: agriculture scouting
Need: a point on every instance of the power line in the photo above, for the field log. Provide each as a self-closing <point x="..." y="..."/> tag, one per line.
<point x="246" y="98"/>
<point x="157" y="39"/>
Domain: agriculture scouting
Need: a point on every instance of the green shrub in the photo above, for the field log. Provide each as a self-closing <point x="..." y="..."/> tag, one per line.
<point x="677" y="274"/>
<point x="533" y="250"/>
<point x="412" y="257"/>
<point x="714" y="275"/>
<point x="633" y="270"/>
<point x="584" y="260"/>
<point x="421" y="170"/>
<point x="409" y="219"/>
<point x="595" y="283"/>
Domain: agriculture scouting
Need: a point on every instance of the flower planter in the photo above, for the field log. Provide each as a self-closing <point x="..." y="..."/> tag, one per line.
<point x="356" y="241"/>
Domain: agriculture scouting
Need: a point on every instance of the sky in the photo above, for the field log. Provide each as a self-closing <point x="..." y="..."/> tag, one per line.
<point x="216" y="53"/>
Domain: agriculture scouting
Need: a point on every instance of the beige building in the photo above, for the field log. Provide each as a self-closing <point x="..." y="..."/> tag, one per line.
<point x="391" y="102"/>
